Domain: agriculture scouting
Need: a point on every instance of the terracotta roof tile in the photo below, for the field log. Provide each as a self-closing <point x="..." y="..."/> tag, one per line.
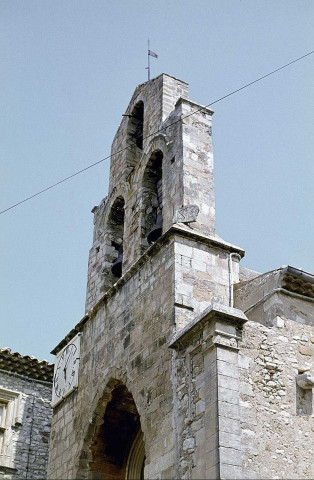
<point x="26" y="365"/>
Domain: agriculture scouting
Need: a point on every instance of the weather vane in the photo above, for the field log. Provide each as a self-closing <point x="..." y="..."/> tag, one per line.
<point x="150" y="53"/>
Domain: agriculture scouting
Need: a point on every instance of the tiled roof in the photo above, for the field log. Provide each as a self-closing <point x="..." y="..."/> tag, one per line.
<point x="298" y="285"/>
<point x="25" y="365"/>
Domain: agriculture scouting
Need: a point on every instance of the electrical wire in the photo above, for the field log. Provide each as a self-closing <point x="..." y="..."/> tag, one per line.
<point x="158" y="131"/>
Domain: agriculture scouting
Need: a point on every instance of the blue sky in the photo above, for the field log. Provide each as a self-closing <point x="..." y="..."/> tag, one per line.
<point x="69" y="71"/>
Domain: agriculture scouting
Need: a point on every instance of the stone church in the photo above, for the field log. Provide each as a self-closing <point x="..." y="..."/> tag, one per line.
<point x="186" y="365"/>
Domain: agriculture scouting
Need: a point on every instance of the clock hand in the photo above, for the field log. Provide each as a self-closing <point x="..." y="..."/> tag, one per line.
<point x="67" y="362"/>
<point x="71" y="354"/>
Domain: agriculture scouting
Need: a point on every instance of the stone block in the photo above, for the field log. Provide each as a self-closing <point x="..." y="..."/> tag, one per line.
<point x="183" y="250"/>
<point x="212" y="472"/>
<point x="244" y="361"/>
<point x="226" y="355"/>
<point x="199" y="265"/>
<point x="230" y="383"/>
<point x="212" y="442"/>
<point x="211" y="412"/>
<point x="246" y="389"/>
<point x="227" y="369"/>
<point x="229" y="396"/>
<point x="230" y="440"/>
<point x="212" y="457"/>
<point x="229" y="425"/>
<point x="229" y="410"/>
<point x="230" y="472"/>
<point x="306" y="350"/>
<point x="230" y="456"/>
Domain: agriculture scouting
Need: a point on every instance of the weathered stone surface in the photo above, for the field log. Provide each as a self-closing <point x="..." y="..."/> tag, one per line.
<point x="186" y="214"/>
<point x="169" y="367"/>
<point x="25" y="432"/>
<point x="281" y="429"/>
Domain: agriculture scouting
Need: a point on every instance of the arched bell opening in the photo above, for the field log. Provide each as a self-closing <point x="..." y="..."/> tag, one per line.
<point x="135" y="133"/>
<point x="116" y="229"/>
<point x="112" y="245"/>
<point x="152" y="200"/>
<point x="136" y="124"/>
<point x="117" y="450"/>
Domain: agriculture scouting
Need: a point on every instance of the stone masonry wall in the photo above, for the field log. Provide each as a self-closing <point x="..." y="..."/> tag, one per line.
<point x="241" y="414"/>
<point x="29" y="437"/>
<point x="201" y="277"/>
<point x="277" y="437"/>
<point x="126" y="341"/>
<point x="206" y="403"/>
<point x="198" y="163"/>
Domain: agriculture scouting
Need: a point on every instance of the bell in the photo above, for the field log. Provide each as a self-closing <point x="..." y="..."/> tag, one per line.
<point x="116" y="268"/>
<point x="156" y="231"/>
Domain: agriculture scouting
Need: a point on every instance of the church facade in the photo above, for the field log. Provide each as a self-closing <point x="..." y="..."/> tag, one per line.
<point x="185" y="365"/>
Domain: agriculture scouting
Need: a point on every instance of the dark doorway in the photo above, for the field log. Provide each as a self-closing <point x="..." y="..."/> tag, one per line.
<point x="118" y="446"/>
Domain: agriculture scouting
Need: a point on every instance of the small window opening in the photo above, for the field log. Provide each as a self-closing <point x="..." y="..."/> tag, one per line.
<point x="304" y="402"/>
<point x="3" y="412"/>
<point x="304" y="393"/>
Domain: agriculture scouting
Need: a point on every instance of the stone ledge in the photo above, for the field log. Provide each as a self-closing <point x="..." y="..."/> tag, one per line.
<point x="199" y="107"/>
<point x="176" y="229"/>
<point x="9" y="470"/>
<point x="214" y="311"/>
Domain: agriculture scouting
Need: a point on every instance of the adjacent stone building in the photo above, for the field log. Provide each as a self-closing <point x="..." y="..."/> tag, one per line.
<point x="25" y="415"/>
<point x="190" y="366"/>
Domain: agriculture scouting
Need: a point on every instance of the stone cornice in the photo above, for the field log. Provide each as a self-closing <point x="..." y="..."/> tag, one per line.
<point x="217" y="312"/>
<point x="177" y="229"/>
<point x="194" y="104"/>
<point x="212" y="240"/>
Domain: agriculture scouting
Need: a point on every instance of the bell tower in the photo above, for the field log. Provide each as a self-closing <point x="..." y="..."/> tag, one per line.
<point x="159" y="307"/>
<point x="161" y="175"/>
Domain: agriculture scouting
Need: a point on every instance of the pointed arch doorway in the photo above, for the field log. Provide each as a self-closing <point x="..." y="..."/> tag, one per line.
<point x="136" y="459"/>
<point x="117" y="449"/>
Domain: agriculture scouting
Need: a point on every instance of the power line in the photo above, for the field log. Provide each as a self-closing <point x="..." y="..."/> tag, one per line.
<point x="158" y="131"/>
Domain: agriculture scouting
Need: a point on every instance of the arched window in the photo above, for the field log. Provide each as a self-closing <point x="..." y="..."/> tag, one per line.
<point x="118" y="447"/>
<point x="152" y="200"/>
<point x="134" y="138"/>
<point x="112" y="246"/>
<point x="115" y="232"/>
<point x="135" y="125"/>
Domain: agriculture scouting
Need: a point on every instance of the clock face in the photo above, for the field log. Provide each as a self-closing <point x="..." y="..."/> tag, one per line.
<point x="66" y="371"/>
